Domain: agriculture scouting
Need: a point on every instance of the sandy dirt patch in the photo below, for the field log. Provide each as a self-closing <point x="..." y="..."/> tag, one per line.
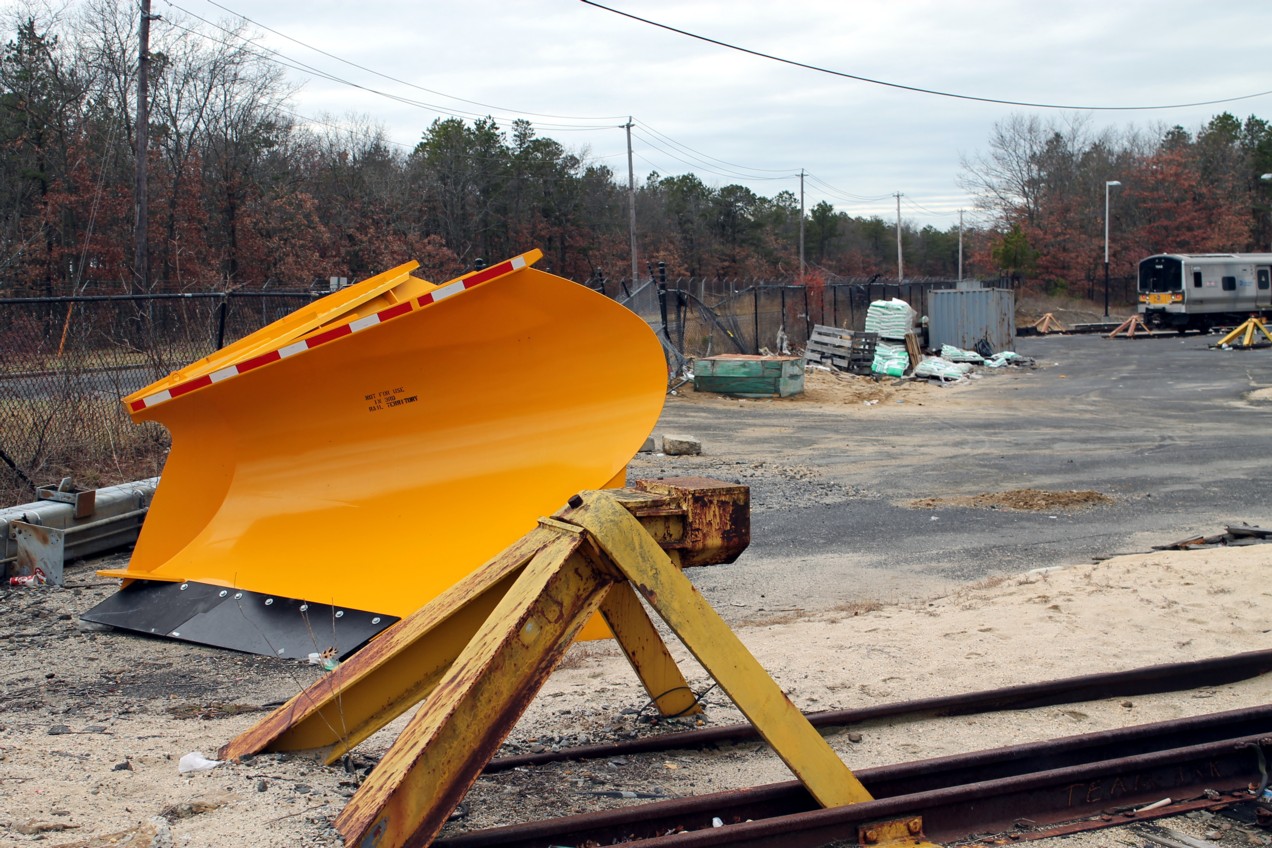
<point x="1025" y="500"/>
<point x="835" y="389"/>
<point x="94" y="724"/>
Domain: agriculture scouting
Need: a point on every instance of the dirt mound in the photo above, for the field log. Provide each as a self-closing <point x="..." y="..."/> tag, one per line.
<point x="1027" y="500"/>
<point x="825" y="387"/>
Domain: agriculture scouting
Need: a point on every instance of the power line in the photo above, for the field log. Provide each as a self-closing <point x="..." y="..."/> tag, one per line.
<point x="789" y="172"/>
<point x="918" y="89"/>
<point x="657" y="140"/>
<point x="405" y="82"/>
<point x="840" y="194"/>
<point x="277" y="57"/>
<point x="703" y="166"/>
<point x="909" y="202"/>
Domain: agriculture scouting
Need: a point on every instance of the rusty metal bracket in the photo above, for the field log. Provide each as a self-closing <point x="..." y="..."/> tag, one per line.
<point x="894" y="833"/>
<point x="482" y="650"/>
<point x="41" y="552"/>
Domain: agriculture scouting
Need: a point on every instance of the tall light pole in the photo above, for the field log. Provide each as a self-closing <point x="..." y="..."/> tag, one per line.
<point x="1267" y="178"/>
<point x="1108" y="184"/>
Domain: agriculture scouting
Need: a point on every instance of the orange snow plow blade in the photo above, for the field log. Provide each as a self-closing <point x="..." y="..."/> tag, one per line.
<point x="343" y="466"/>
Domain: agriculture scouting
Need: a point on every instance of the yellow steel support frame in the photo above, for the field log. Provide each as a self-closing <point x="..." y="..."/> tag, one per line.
<point x="522" y="610"/>
<point x="439" y="754"/>
<point x="698" y="521"/>
<point x="1246" y="331"/>
<point x="718" y="648"/>
<point x="647" y="652"/>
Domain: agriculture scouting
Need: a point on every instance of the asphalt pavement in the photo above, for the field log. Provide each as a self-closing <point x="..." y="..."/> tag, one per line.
<point x="1163" y="426"/>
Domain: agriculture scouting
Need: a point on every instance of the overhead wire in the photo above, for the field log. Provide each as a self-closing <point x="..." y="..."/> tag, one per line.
<point x="920" y="89"/>
<point x="654" y="138"/>
<point x="704" y="166"/>
<point x="272" y="55"/>
<point x="921" y="208"/>
<point x="843" y="195"/>
<point x="405" y="82"/>
<point x="698" y="153"/>
<point x="686" y="154"/>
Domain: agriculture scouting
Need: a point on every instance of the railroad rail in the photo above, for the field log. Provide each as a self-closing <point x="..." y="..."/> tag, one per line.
<point x="1025" y="791"/>
<point x="1148" y="680"/>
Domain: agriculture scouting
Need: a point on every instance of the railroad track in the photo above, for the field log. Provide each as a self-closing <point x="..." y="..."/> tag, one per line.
<point x="988" y="782"/>
<point x="1150" y="680"/>
<point x="1027" y="791"/>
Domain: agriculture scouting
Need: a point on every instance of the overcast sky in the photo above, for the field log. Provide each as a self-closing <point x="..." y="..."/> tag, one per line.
<point x="730" y="117"/>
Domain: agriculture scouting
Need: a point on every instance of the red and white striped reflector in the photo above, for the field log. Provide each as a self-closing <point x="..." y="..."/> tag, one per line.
<point x="440" y="293"/>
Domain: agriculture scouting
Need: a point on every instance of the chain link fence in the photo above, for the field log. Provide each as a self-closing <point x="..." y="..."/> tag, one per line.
<point x="708" y="317"/>
<point x="65" y="363"/>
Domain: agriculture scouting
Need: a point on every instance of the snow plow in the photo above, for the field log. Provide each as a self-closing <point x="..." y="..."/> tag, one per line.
<point x="340" y="468"/>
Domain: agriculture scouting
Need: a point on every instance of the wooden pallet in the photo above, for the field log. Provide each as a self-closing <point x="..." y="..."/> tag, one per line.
<point x="842" y="350"/>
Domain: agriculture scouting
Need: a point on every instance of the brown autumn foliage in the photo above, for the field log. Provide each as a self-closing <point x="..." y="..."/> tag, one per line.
<point x="241" y="195"/>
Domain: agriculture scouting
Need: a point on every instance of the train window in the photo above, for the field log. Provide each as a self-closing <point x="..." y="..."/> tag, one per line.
<point x="1263" y="279"/>
<point x="1161" y="274"/>
<point x="1229" y="283"/>
<point x="1196" y="279"/>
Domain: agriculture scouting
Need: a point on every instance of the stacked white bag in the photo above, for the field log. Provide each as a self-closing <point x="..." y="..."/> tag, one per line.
<point x="891" y="319"/>
<point x="892" y="360"/>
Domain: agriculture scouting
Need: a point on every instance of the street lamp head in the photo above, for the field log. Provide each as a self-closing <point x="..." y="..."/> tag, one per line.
<point x="1116" y="183"/>
<point x="1266" y="177"/>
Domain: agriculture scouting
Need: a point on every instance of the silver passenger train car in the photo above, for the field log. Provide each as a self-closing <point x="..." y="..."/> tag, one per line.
<point x="1198" y="291"/>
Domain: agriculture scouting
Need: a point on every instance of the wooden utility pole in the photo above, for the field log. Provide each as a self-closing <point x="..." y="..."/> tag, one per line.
<point x="631" y="198"/>
<point x="141" y="269"/>
<point x="801" y="225"/>
<point x="900" y="262"/>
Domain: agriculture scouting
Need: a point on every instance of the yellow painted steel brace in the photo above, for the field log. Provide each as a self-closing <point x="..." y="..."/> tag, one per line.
<point x="481" y="651"/>
<point x="1246" y="332"/>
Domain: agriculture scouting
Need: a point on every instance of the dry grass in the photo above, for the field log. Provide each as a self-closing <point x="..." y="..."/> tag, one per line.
<point x="88" y="437"/>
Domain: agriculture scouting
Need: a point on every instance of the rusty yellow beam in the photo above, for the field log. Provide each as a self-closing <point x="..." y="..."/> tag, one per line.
<point x="701" y="521"/>
<point x="718" y="648"/>
<point x="647" y="652"/>
<point x="427" y="771"/>
<point x="481" y="651"/>
<point x="396" y="671"/>
<point x="1246" y="331"/>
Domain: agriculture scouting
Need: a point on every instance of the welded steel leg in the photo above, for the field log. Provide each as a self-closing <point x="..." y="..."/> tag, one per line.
<point x="719" y="650"/>
<point x="647" y="652"/>
<point x="397" y="670"/>
<point x="430" y="767"/>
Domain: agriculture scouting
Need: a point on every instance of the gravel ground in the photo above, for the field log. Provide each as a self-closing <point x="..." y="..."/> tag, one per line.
<point x="895" y="556"/>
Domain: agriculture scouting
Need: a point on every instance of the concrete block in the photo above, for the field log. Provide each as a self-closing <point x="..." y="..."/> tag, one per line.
<point x="681" y="446"/>
<point x="650" y="446"/>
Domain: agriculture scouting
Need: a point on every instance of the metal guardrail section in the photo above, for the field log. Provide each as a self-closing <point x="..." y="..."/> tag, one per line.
<point x="45" y="534"/>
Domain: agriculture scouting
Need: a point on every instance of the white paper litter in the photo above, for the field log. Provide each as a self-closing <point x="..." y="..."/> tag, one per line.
<point x="195" y="761"/>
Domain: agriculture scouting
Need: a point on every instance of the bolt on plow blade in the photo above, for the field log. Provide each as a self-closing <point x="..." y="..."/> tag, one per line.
<point x="342" y="467"/>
